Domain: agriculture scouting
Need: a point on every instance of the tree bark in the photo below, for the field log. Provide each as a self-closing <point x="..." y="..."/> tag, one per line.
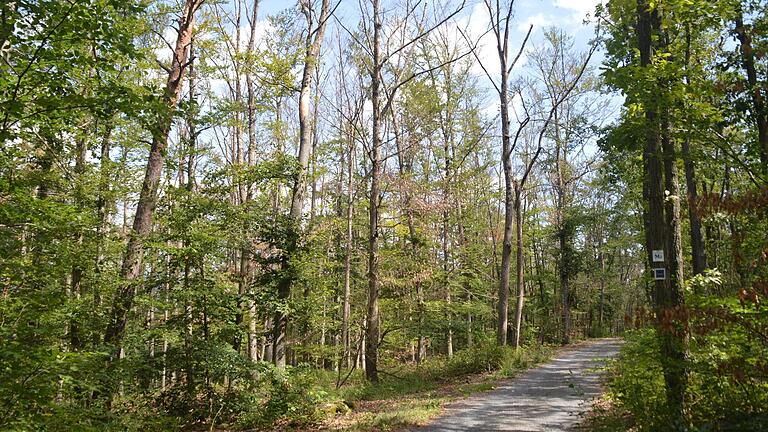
<point x="660" y="228"/>
<point x="142" y="223"/>
<point x="372" y="318"/>
<point x="519" y="263"/>
<point x="251" y="113"/>
<point x="311" y="59"/>
<point x="758" y="111"/>
<point x="509" y="196"/>
<point x="698" y="251"/>
<point x="346" y="309"/>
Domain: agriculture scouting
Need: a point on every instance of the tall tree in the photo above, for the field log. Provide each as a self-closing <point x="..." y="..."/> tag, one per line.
<point x="382" y="99"/>
<point x="662" y="231"/>
<point x="316" y="26"/>
<point x="142" y="224"/>
<point x="501" y="18"/>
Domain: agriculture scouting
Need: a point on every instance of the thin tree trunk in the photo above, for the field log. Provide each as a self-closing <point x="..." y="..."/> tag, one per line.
<point x="251" y="108"/>
<point x="447" y="144"/>
<point x="142" y="224"/>
<point x="601" y="258"/>
<point x="509" y="197"/>
<point x="759" y="111"/>
<point x="519" y="262"/>
<point x="76" y="275"/>
<point x="346" y="309"/>
<point x="311" y="59"/>
<point x="698" y="251"/>
<point x="372" y="318"/>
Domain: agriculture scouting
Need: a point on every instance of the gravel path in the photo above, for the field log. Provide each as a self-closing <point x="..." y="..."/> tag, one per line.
<point x="547" y="398"/>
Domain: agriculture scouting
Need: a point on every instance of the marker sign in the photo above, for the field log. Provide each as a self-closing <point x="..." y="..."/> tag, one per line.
<point x="659" y="274"/>
<point x="657" y="255"/>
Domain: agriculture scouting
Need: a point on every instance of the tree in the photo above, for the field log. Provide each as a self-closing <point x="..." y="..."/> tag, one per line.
<point x="500" y="25"/>
<point x="132" y="262"/>
<point x="382" y="99"/>
<point x="313" y="45"/>
<point x="556" y="65"/>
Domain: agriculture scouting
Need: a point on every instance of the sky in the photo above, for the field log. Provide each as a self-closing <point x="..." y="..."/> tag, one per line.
<point x="568" y="15"/>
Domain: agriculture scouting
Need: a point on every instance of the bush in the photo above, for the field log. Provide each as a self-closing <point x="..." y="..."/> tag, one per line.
<point x="289" y="396"/>
<point x="480" y="358"/>
<point x="718" y="399"/>
<point x="637" y="382"/>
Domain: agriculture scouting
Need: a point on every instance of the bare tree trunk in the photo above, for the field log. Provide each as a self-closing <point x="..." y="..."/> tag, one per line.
<point x="346" y="309"/>
<point x="519" y="264"/>
<point x="759" y="111"/>
<point x="142" y="223"/>
<point x="311" y="59"/>
<point x="465" y="264"/>
<point x="447" y="145"/>
<point x="509" y="197"/>
<point x="76" y="275"/>
<point x="698" y="251"/>
<point x="601" y="259"/>
<point x="500" y="27"/>
<point x="251" y="107"/>
<point x="372" y="318"/>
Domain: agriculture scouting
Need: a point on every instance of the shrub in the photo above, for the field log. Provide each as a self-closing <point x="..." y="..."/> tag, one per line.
<point x="289" y="396"/>
<point x="718" y="399"/>
<point x="480" y="358"/>
<point x="637" y="382"/>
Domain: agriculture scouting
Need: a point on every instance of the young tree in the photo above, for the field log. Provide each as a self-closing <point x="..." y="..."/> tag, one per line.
<point x="382" y="98"/>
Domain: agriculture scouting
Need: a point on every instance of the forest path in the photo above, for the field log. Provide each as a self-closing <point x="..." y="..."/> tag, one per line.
<point x="547" y="398"/>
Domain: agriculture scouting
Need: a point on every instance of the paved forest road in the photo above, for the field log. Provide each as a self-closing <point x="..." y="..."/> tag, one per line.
<point x="547" y="398"/>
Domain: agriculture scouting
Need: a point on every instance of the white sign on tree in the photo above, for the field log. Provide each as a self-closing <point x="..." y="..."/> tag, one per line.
<point x="658" y="255"/>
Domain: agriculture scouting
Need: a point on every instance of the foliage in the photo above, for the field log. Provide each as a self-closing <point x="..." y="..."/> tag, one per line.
<point x="82" y="86"/>
<point x="722" y="395"/>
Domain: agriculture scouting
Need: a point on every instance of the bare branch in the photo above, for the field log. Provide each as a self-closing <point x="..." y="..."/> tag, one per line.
<point x="423" y="33"/>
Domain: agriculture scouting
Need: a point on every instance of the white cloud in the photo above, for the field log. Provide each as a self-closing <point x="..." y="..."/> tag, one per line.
<point x="539" y="21"/>
<point x="581" y="7"/>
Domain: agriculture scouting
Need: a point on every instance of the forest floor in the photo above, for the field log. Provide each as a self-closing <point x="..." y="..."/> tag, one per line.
<point x="551" y="397"/>
<point x="548" y="397"/>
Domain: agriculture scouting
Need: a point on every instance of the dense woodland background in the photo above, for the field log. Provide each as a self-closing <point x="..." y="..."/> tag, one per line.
<point x="213" y="217"/>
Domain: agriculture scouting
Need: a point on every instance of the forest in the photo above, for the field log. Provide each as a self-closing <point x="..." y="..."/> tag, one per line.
<point x="235" y="215"/>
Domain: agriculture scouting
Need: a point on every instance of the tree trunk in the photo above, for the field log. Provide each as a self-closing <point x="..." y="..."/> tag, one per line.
<point x="698" y="251"/>
<point x="758" y="111"/>
<point x="372" y="319"/>
<point x="447" y="143"/>
<point x="251" y="113"/>
<point x="677" y="375"/>
<point x="76" y="274"/>
<point x="346" y="309"/>
<point x="142" y="223"/>
<point x="519" y="264"/>
<point x="311" y="59"/>
<point x="660" y="230"/>
<point x="506" y="159"/>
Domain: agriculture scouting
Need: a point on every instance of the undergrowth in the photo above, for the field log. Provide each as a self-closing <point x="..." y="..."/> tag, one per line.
<point x="717" y="399"/>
